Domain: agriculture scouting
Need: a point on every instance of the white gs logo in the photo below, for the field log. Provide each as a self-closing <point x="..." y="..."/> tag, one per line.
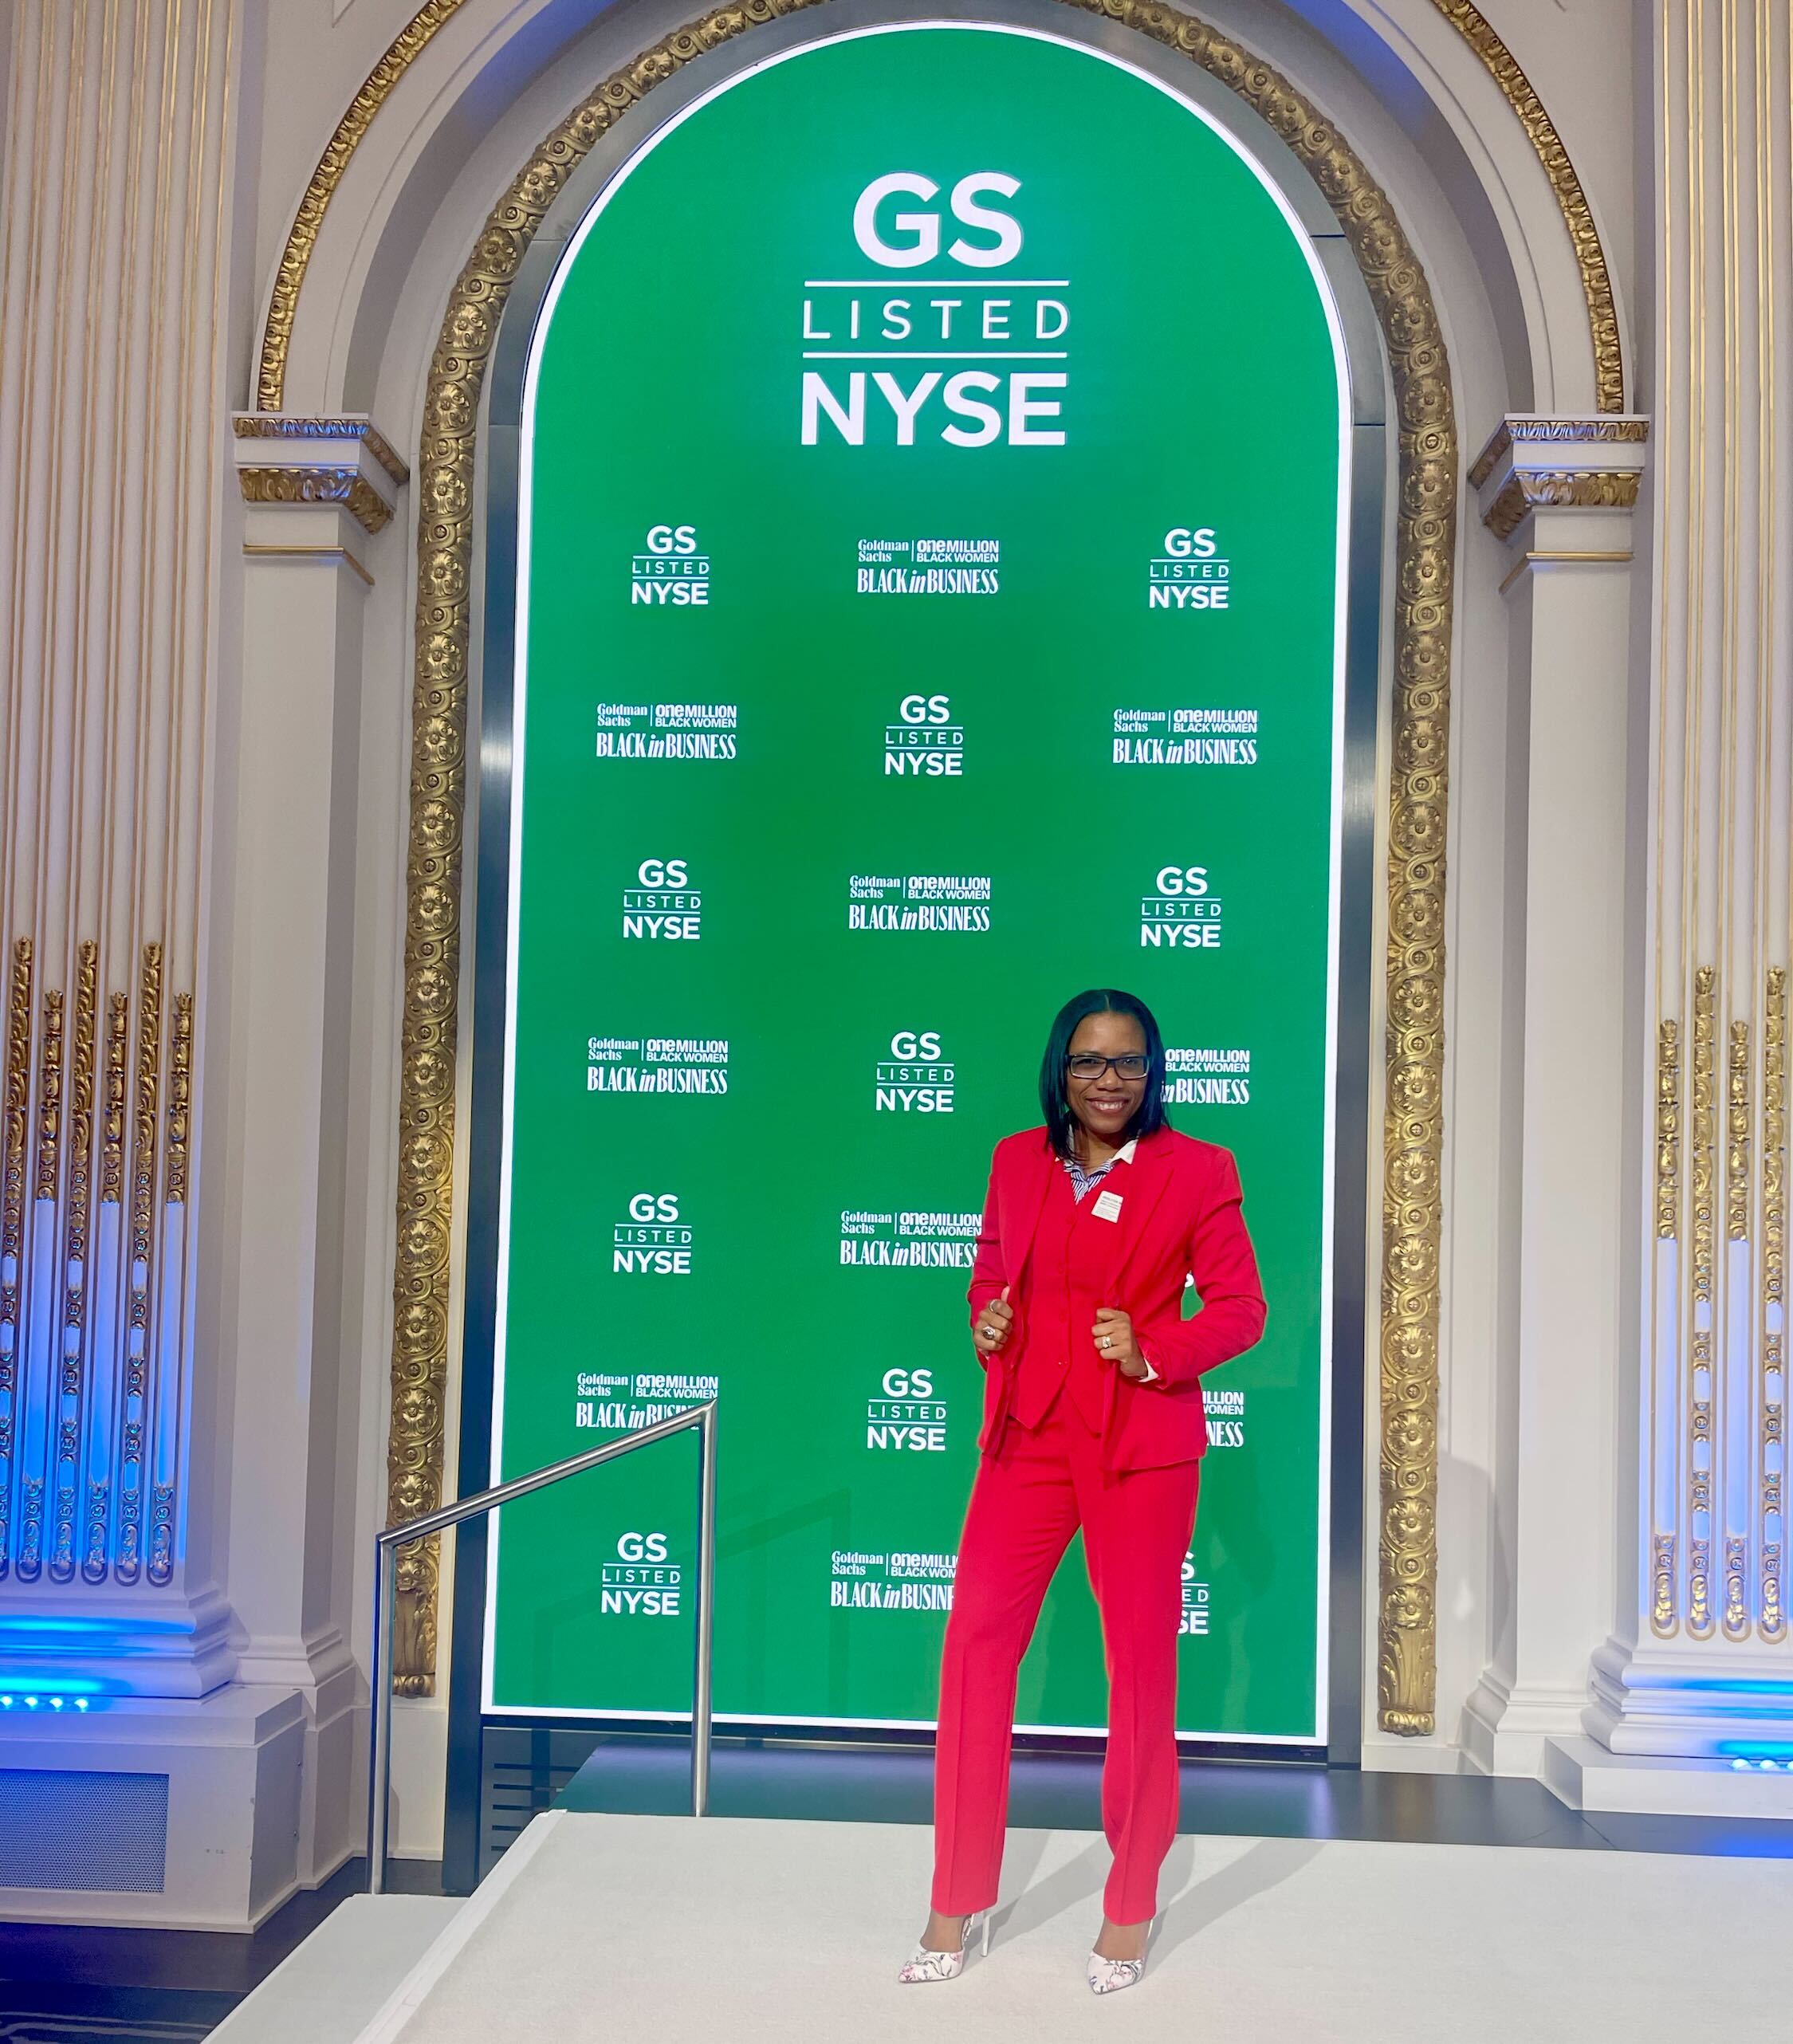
<point x="924" y="709"/>
<point x="662" y="872"/>
<point x="642" y="1547"/>
<point x="651" y="1206"/>
<point x="908" y="1383"/>
<point x="1182" y="880"/>
<point x="672" y="539"/>
<point x="911" y="1046"/>
<point x="923" y="229"/>
<point x="1180" y="542"/>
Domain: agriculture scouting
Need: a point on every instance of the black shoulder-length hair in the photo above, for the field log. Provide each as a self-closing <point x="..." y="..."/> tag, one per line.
<point x="1053" y="1101"/>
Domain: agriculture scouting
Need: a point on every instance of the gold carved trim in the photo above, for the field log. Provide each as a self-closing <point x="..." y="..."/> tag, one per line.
<point x="1703" y="1130"/>
<point x="1582" y="489"/>
<point x="1572" y="201"/>
<point x="1468" y="21"/>
<point x="180" y="1097"/>
<point x="49" y="1098"/>
<point x="1774" y="1300"/>
<point x="313" y="553"/>
<point x="270" y="376"/>
<point x="347" y="487"/>
<point x="1662" y="1585"/>
<point x="1553" y="432"/>
<point x="13" y="1141"/>
<point x="1548" y="556"/>
<point x="1425" y="569"/>
<point x="111" y="1145"/>
<point x="279" y="426"/>
<point x="1736" y="1126"/>
<point x="1668" y="1128"/>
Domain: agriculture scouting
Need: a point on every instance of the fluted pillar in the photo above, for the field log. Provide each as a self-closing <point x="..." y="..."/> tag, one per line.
<point x="1700" y="1669"/>
<point x="118" y="141"/>
<point x="167" y="1788"/>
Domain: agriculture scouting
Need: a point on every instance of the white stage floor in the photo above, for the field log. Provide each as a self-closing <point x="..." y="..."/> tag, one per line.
<point x="655" y="1930"/>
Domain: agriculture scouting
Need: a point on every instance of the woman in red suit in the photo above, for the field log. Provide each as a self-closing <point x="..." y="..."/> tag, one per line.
<point x="1093" y="1418"/>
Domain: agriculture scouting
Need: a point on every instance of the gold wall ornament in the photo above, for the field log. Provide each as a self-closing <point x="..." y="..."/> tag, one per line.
<point x="1736" y="1610"/>
<point x="1425" y="536"/>
<point x="1668" y="1129"/>
<point x="347" y="487"/>
<point x="111" y="1147"/>
<point x="1772" y="1504"/>
<point x="1566" y="187"/>
<point x="1584" y="489"/>
<point x="180" y="1096"/>
<point x="287" y="425"/>
<point x="49" y="1098"/>
<point x="1519" y="431"/>
<point x="301" y="238"/>
<point x="130" y="1455"/>
<point x="1703" y="1148"/>
<point x="1662" y="1619"/>
<point x="1736" y="1129"/>
<point x="15" y="1111"/>
<point x="1468" y="21"/>
<point x="76" y="1207"/>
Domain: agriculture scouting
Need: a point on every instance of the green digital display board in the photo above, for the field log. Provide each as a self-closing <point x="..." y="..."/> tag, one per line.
<point x="929" y="602"/>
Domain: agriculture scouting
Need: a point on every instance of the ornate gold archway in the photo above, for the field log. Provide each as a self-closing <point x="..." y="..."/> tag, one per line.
<point x="1425" y="553"/>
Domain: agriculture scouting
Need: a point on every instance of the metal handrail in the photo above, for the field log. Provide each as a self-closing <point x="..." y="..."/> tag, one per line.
<point x="703" y="1418"/>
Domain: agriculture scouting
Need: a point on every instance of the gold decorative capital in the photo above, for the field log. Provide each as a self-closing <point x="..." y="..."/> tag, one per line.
<point x="1580" y="489"/>
<point x="344" y="486"/>
<point x="352" y="426"/>
<point x="1533" y="463"/>
<point x="1526" y="430"/>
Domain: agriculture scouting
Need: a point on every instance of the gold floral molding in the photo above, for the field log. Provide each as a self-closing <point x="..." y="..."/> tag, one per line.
<point x="1584" y="489"/>
<point x="347" y="487"/>
<point x="1468" y="21"/>
<point x="1572" y="201"/>
<point x="283" y="305"/>
<point x="1425" y="538"/>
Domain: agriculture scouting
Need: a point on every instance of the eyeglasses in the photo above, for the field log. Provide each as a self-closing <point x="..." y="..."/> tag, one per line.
<point x="1092" y="1064"/>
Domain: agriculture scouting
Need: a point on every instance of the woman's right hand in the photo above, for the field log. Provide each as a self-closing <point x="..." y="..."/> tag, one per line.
<point x="991" y="1329"/>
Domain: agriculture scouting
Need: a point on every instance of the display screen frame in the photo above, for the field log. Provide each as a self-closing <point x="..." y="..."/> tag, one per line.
<point x="1367" y="383"/>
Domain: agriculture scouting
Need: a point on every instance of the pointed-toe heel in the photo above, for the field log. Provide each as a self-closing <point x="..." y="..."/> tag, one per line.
<point x="922" y="1965"/>
<point x="1110" y="1976"/>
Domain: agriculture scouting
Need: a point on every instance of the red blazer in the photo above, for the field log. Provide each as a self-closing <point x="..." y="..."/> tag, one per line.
<point x="1179" y="1218"/>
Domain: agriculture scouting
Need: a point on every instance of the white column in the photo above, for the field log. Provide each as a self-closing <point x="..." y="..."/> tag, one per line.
<point x="1559" y="493"/>
<point x="1699" y="1672"/>
<point x="317" y="495"/>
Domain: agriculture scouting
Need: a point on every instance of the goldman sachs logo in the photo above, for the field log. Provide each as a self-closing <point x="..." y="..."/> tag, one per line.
<point x="963" y="350"/>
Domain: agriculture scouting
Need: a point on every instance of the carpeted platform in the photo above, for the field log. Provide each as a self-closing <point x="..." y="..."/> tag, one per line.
<point x="647" y="1930"/>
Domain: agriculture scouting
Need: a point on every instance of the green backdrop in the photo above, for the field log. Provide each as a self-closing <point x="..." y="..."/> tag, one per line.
<point x="928" y="604"/>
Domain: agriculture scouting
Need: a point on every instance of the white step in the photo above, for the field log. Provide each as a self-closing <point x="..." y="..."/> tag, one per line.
<point x="331" y="1987"/>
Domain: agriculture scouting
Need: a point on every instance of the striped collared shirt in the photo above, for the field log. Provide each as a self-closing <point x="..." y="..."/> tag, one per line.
<point x="1083" y="1179"/>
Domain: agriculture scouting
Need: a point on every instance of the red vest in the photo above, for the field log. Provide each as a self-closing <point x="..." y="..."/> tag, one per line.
<point x="1067" y="1269"/>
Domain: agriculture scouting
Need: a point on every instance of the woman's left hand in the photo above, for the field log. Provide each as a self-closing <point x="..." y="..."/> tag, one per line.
<point x="1114" y="1343"/>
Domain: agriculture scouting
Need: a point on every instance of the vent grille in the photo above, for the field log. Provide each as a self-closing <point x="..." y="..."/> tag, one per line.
<point x="64" y="1830"/>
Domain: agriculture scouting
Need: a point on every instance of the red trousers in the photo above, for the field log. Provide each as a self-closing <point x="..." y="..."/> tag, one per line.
<point x="1028" y="1498"/>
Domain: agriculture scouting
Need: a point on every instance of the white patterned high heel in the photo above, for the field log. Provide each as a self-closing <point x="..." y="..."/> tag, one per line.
<point x="1110" y="1976"/>
<point x="925" y="1965"/>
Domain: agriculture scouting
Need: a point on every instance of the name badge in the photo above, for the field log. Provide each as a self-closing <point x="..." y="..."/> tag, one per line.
<point x="1107" y="1206"/>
